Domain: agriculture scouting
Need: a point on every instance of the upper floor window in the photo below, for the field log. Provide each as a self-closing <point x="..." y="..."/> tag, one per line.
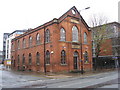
<point x="24" y="43"/>
<point x="47" y="61"/>
<point x="47" y="36"/>
<point x="74" y="34"/>
<point x="37" y="58"/>
<point x="18" y="44"/>
<point x="63" y="57"/>
<point x="62" y="34"/>
<point x="30" y="41"/>
<point x="86" y="56"/>
<point x="38" y="39"/>
<point x="30" y="59"/>
<point x="85" y="37"/>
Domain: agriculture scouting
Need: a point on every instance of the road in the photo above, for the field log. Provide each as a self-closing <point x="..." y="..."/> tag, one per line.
<point x="12" y="79"/>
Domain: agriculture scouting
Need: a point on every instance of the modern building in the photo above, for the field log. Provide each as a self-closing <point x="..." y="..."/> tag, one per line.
<point x="7" y="60"/>
<point x="5" y="36"/>
<point x="1" y="56"/>
<point x="110" y="49"/>
<point x="62" y="44"/>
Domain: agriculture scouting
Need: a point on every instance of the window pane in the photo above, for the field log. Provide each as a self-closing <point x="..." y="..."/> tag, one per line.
<point x="37" y="58"/>
<point x="47" y="36"/>
<point x="38" y="39"/>
<point x="30" y="41"/>
<point x="62" y="34"/>
<point x="30" y="59"/>
<point x="47" y="57"/>
<point x="23" y="61"/>
<point x="85" y="38"/>
<point x="74" y="34"/>
<point x="63" y="57"/>
<point x="24" y="43"/>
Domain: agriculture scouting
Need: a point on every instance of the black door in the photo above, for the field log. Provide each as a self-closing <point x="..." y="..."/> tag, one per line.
<point x="75" y="63"/>
<point x="75" y="60"/>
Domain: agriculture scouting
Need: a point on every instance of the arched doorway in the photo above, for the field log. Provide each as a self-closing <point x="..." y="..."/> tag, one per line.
<point x="75" y="60"/>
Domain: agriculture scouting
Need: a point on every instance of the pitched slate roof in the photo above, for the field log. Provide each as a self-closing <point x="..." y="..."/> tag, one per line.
<point x="59" y="20"/>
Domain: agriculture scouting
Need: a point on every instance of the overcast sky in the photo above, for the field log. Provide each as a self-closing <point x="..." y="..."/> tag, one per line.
<point x="24" y="14"/>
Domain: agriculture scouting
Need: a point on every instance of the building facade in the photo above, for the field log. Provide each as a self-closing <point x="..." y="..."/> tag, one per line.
<point x="7" y="60"/>
<point x="1" y="56"/>
<point x="5" y="36"/>
<point x="62" y="44"/>
<point x="110" y="49"/>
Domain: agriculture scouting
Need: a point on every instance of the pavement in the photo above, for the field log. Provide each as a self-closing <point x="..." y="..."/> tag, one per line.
<point x="61" y="75"/>
<point x="70" y="75"/>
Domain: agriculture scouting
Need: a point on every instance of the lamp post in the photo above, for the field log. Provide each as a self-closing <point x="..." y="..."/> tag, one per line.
<point x="81" y="41"/>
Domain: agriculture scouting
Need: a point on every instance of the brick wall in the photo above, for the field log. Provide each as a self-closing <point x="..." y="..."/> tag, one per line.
<point x="55" y="46"/>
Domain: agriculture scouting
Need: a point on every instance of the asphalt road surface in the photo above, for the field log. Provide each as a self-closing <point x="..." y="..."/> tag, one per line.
<point x="12" y="79"/>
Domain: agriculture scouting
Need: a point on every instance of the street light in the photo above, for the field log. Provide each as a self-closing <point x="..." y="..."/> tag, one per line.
<point x="81" y="41"/>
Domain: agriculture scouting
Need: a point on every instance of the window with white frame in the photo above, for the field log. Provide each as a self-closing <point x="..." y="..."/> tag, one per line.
<point x="38" y="39"/>
<point x="18" y="44"/>
<point x="30" y="41"/>
<point x="62" y="34"/>
<point x="74" y="34"/>
<point x="47" y="61"/>
<point x="63" y="57"/>
<point x="47" y="36"/>
<point x="24" y="43"/>
<point x="85" y="37"/>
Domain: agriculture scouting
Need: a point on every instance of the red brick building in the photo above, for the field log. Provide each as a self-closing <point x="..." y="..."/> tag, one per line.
<point x="109" y="56"/>
<point x="62" y="44"/>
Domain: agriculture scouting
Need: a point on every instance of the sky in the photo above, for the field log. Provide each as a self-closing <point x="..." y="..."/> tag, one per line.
<point x="25" y="14"/>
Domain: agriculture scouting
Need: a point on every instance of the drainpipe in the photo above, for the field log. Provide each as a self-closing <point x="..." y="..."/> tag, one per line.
<point x="81" y="48"/>
<point x="44" y="53"/>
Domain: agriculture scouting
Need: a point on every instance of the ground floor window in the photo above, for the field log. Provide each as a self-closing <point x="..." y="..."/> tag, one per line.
<point x="47" y="58"/>
<point x="63" y="57"/>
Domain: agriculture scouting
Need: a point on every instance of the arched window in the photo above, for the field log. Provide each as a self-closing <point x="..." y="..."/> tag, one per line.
<point x="85" y="37"/>
<point x="63" y="57"/>
<point x="38" y="58"/>
<point x="47" y="36"/>
<point x="30" y="59"/>
<point x="86" y="56"/>
<point x="30" y="41"/>
<point x="18" y="44"/>
<point x="38" y="39"/>
<point x="18" y="59"/>
<point x="75" y="54"/>
<point x="47" y="61"/>
<point x="23" y="59"/>
<point x="74" y="34"/>
<point x="24" y="43"/>
<point x="62" y="34"/>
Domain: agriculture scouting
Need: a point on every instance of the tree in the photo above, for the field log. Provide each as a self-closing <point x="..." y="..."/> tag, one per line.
<point x="99" y="34"/>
